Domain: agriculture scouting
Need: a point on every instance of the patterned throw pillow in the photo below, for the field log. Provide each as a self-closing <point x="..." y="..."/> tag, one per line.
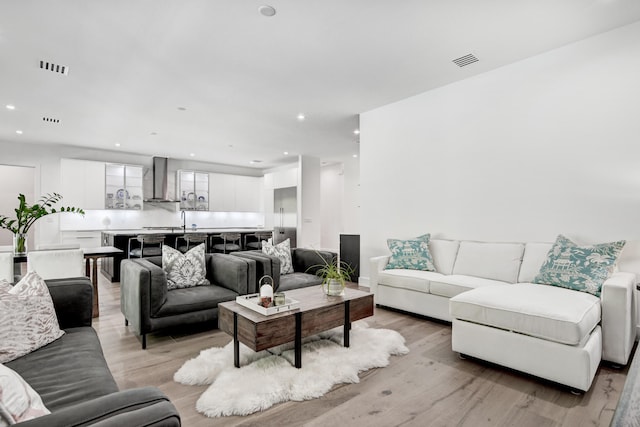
<point x="184" y="270"/>
<point x="18" y="401"/>
<point x="283" y="251"/>
<point x="410" y="254"/>
<point x="581" y="268"/>
<point x="28" y="318"/>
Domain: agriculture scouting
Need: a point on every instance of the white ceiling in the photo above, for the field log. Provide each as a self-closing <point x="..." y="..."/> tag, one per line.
<point x="243" y="77"/>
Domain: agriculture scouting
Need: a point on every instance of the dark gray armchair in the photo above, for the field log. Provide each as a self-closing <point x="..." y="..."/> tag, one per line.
<point x="149" y="306"/>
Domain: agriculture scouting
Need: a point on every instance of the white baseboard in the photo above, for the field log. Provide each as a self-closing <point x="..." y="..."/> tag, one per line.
<point x="363" y="281"/>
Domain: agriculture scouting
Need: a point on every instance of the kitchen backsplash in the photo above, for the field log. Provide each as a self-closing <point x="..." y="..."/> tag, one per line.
<point x="157" y="217"/>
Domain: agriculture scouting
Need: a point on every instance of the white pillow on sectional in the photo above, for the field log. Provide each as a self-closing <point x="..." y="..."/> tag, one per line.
<point x="444" y="254"/>
<point x="534" y="255"/>
<point x="497" y="261"/>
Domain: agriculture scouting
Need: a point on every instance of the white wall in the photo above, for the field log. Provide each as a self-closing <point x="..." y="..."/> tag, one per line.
<point x="309" y="206"/>
<point x="544" y="146"/>
<point x="340" y="196"/>
<point x="332" y="194"/>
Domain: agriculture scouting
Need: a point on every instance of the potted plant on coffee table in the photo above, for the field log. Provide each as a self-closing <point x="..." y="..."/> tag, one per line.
<point x="27" y="214"/>
<point x="334" y="276"/>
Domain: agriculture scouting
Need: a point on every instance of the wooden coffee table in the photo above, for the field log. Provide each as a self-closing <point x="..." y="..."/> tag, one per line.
<point x="317" y="313"/>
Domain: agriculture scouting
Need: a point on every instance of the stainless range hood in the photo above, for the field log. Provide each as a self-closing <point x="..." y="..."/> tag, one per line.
<point x="160" y="186"/>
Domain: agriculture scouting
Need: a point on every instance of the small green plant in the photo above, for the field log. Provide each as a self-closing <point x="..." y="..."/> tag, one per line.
<point x="336" y="270"/>
<point x="26" y="215"/>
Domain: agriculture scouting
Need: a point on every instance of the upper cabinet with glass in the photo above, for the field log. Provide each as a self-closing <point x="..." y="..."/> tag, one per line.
<point x="123" y="184"/>
<point x="193" y="190"/>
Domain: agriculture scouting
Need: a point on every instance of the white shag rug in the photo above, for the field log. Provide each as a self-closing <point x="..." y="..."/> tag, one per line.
<point x="268" y="377"/>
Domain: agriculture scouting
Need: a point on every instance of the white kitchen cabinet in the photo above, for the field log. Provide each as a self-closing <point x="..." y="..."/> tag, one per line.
<point x="235" y="193"/>
<point x="222" y="190"/>
<point x="248" y="194"/>
<point x="193" y="190"/>
<point x="82" y="183"/>
<point x="123" y="186"/>
<point x="82" y="239"/>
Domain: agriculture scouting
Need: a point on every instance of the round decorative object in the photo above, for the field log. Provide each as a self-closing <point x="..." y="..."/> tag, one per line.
<point x="266" y="10"/>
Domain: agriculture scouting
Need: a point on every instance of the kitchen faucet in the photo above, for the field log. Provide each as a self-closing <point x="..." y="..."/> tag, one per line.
<point x="183" y="215"/>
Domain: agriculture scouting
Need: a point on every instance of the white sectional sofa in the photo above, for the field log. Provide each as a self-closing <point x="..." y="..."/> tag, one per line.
<point x="498" y="315"/>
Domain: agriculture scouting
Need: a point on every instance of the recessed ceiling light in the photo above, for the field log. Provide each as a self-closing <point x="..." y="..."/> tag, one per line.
<point x="153" y="133"/>
<point x="230" y="145"/>
<point x="11" y="107"/>
<point x="266" y="10"/>
<point x="192" y="154"/>
<point x="301" y="117"/>
<point x="355" y="155"/>
<point x="286" y="153"/>
<point x="182" y="109"/>
<point x="356" y="132"/>
<point x="117" y="144"/>
<point x="19" y="132"/>
<point x="251" y="162"/>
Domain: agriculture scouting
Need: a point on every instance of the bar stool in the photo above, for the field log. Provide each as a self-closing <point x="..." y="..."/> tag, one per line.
<point x="150" y="245"/>
<point x="230" y="243"/>
<point x="257" y="244"/>
<point x="191" y="240"/>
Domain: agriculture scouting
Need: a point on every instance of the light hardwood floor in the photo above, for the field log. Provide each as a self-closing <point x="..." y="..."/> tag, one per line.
<point x="430" y="386"/>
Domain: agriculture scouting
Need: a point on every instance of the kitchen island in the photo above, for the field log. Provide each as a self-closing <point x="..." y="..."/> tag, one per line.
<point x="120" y="239"/>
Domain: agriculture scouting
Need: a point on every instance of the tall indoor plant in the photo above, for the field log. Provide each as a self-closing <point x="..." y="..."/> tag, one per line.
<point x="26" y="215"/>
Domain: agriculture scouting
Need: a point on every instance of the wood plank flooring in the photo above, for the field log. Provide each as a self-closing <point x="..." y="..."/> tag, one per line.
<point x="430" y="386"/>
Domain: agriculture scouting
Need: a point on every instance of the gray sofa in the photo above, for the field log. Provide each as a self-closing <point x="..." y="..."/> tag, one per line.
<point x="72" y="376"/>
<point x="306" y="263"/>
<point x="149" y="306"/>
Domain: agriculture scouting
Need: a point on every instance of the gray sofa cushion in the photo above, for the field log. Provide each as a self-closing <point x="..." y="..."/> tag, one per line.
<point x="297" y="280"/>
<point x="197" y="298"/>
<point x="67" y="371"/>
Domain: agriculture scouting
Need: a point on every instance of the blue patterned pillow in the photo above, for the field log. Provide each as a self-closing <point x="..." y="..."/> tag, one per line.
<point x="410" y="254"/>
<point x="581" y="268"/>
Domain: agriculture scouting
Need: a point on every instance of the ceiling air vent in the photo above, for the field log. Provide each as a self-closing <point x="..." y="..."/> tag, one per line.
<point x="465" y="60"/>
<point x="50" y="120"/>
<point x="56" y="68"/>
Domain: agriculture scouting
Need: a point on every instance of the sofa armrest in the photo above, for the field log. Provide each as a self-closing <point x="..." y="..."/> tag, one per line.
<point x="231" y="272"/>
<point x="265" y="265"/>
<point x="618" y="317"/>
<point x="146" y="406"/>
<point x="310" y="260"/>
<point x="73" y="301"/>
<point x="143" y="290"/>
<point x="376" y="265"/>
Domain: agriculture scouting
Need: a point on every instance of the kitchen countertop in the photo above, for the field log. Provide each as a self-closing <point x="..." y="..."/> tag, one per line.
<point x="179" y="230"/>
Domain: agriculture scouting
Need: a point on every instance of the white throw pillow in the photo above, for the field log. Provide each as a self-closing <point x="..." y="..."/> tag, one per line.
<point x="283" y="251"/>
<point x="184" y="270"/>
<point x="18" y="401"/>
<point x="28" y="318"/>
